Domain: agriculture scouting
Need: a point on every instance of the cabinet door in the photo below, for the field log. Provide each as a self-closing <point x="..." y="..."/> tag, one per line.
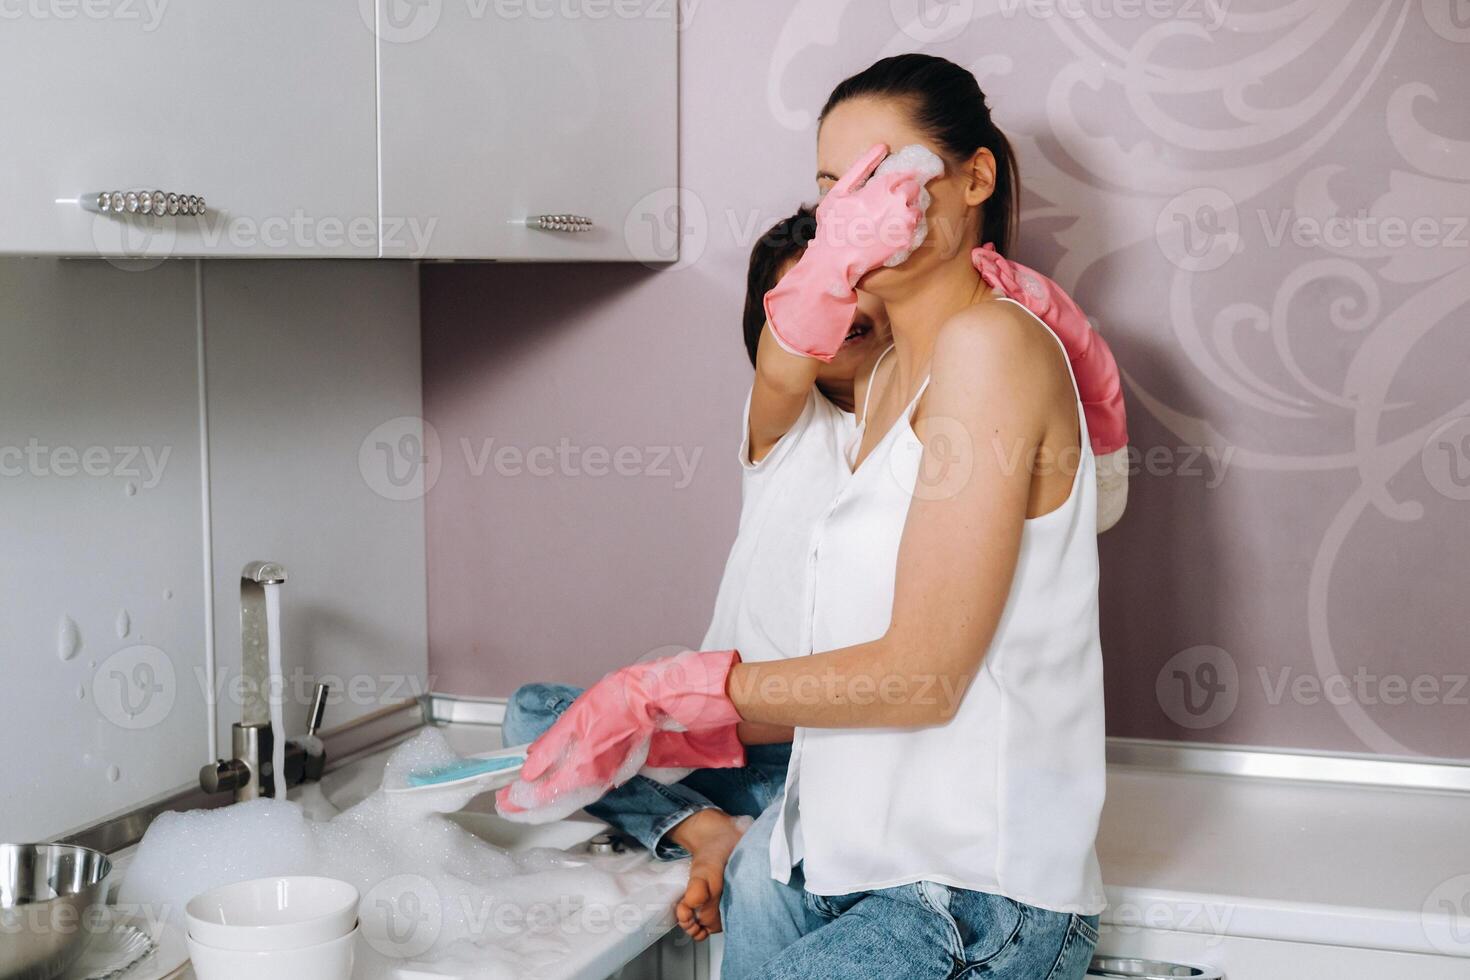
<point x="265" y="109"/>
<point x="1238" y="958"/>
<point x="493" y="110"/>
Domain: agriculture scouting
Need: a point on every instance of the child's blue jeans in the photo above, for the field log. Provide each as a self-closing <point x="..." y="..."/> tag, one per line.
<point x="642" y="808"/>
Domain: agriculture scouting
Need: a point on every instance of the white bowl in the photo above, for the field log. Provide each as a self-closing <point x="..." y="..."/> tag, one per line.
<point x="325" y="961"/>
<point x="273" y="913"/>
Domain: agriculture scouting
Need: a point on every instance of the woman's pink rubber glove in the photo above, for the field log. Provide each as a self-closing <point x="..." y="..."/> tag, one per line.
<point x="607" y="734"/>
<point x="1099" y="381"/>
<point x="858" y="227"/>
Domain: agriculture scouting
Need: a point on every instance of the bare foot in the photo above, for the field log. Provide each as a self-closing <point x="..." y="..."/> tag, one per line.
<point x="709" y="836"/>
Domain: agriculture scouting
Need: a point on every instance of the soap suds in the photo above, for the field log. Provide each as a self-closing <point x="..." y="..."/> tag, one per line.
<point x="924" y="164"/>
<point x="539" y="803"/>
<point x="432" y="893"/>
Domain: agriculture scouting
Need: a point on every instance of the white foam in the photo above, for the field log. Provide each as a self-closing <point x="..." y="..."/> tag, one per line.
<point x="433" y="893"/>
<point x="540" y="804"/>
<point x="923" y="163"/>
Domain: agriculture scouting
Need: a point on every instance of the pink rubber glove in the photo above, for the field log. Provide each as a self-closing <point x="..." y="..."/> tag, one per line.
<point x="1099" y="382"/>
<point x="607" y="734"/>
<point x="858" y="227"/>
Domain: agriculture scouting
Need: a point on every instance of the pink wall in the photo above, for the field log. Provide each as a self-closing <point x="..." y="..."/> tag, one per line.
<point x="1310" y="597"/>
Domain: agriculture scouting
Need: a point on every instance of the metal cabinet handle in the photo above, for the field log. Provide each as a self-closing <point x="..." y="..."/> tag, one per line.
<point x="557" y="222"/>
<point x="158" y="203"/>
<point x="1128" y="968"/>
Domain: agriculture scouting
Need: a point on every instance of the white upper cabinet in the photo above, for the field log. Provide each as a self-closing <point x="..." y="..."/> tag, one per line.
<point x="409" y="129"/>
<point x="493" y="111"/>
<point x="263" y="108"/>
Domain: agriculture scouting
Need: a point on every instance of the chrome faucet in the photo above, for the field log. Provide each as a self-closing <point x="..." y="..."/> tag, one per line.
<point x="249" y="773"/>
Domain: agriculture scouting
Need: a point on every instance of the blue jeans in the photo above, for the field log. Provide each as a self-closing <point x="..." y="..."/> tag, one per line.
<point x="776" y="931"/>
<point x="643" y="808"/>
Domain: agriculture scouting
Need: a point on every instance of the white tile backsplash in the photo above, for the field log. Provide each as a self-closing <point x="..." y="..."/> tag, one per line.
<point x="103" y="536"/>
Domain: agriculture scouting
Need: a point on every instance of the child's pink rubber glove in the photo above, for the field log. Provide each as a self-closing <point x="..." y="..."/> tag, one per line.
<point x="858" y="227"/>
<point x="605" y="736"/>
<point x="1098" y="380"/>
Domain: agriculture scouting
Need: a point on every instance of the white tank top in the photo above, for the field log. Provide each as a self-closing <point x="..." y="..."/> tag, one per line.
<point x="1005" y="797"/>
<point x="762" y="608"/>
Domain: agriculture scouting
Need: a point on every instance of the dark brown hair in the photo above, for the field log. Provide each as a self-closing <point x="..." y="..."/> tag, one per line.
<point x="783" y="242"/>
<point x="947" y="104"/>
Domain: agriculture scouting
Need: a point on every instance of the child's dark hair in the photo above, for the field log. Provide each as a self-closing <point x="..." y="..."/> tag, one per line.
<point x="947" y="103"/>
<point x="782" y="243"/>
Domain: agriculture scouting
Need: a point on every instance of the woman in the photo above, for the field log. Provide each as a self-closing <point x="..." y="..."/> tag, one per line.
<point x="757" y="609"/>
<point x="947" y="772"/>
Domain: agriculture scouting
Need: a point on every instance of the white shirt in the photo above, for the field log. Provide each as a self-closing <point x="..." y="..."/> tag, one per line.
<point x="762" y="605"/>
<point x="1005" y="797"/>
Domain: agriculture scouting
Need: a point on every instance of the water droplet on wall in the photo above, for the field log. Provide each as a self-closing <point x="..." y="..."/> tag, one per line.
<point x="131" y="489"/>
<point x="124" y="624"/>
<point x="68" y="638"/>
<point x="113" y="774"/>
<point x="168" y="593"/>
<point x="81" y="692"/>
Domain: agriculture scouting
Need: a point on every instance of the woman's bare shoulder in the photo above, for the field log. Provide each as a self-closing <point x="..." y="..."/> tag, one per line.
<point x="994" y="341"/>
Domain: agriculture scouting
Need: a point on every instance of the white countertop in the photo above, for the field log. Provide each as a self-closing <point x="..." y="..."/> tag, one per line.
<point x="1279" y="859"/>
<point x="645" y="910"/>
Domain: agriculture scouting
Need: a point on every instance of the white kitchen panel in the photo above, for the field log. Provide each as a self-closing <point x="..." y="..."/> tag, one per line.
<point x="493" y="112"/>
<point x="101" y="578"/>
<point x="314" y="405"/>
<point x="266" y="109"/>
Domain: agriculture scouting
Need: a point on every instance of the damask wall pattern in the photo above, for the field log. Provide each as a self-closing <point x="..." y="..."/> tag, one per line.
<point x="1263" y="207"/>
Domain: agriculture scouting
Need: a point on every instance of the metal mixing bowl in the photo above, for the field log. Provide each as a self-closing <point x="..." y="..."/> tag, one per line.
<point x="49" y="895"/>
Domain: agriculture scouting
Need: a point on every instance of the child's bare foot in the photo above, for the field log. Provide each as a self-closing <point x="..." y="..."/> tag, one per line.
<point x="709" y="836"/>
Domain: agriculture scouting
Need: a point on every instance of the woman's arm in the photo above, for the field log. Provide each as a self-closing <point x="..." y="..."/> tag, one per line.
<point x="783" y="382"/>
<point x="751" y="733"/>
<point x="1000" y="380"/>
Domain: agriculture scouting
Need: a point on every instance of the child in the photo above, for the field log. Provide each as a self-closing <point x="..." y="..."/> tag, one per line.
<point x="786" y="485"/>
